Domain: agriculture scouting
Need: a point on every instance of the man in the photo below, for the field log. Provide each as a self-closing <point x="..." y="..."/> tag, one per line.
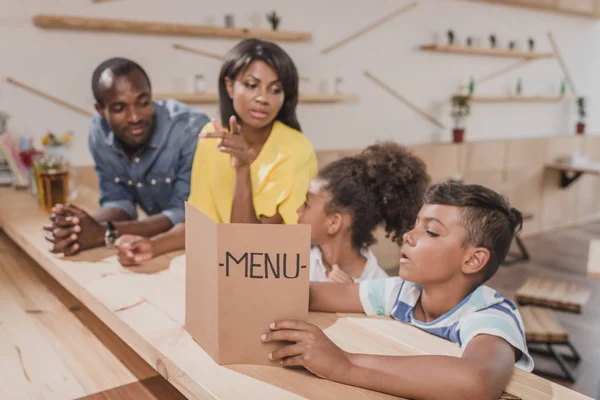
<point x="143" y="153"/>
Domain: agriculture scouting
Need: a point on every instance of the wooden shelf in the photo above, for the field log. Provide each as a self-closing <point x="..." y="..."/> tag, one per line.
<point x="479" y="51"/>
<point x="161" y="28"/>
<point x="581" y="8"/>
<point x="206" y="98"/>
<point x="518" y="99"/>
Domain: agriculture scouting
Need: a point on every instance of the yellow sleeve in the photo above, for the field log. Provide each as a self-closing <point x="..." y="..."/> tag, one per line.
<point x="300" y="175"/>
<point x="200" y="193"/>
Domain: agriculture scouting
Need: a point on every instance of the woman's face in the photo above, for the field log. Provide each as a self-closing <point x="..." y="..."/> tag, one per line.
<point x="257" y="94"/>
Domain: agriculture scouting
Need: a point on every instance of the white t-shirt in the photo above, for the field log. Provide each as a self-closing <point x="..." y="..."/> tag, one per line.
<point x="318" y="271"/>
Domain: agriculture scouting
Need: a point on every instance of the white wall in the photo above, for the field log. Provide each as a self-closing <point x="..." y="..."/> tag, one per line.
<point x="61" y="62"/>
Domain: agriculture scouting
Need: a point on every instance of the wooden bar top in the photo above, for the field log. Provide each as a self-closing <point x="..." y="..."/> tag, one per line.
<point x="145" y="307"/>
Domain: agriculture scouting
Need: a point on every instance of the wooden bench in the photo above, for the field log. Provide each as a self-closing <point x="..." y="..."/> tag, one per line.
<point x="593" y="266"/>
<point x="542" y="328"/>
<point x="564" y="296"/>
<point x="522" y="255"/>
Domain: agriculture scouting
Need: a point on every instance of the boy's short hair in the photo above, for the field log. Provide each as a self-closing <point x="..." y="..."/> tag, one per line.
<point x="488" y="218"/>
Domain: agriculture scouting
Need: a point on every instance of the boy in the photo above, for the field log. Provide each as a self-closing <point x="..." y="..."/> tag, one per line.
<point x="462" y="234"/>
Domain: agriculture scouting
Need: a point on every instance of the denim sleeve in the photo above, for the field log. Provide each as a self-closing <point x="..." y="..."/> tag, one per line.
<point x="112" y="194"/>
<point x="181" y="186"/>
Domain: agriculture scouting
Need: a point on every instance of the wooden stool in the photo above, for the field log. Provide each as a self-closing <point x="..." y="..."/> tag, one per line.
<point x="542" y="327"/>
<point x="553" y="294"/>
<point x="593" y="266"/>
<point x="522" y="255"/>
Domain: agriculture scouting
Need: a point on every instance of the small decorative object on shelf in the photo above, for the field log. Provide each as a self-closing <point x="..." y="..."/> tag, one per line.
<point x="273" y="19"/>
<point x="563" y="87"/>
<point x="581" y="104"/>
<point x="493" y="41"/>
<point x="519" y="87"/>
<point x="512" y="45"/>
<point x="461" y="108"/>
<point x="199" y="83"/>
<point x="531" y="43"/>
<point x="469" y="41"/>
<point x="451" y="37"/>
<point x="338" y="85"/>
<point x="229" y="21"/>
<point x="471" y="85"/>
<point x="3" y="120"/>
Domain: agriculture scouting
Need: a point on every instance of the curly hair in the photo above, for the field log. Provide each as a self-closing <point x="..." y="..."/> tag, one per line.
<point x="385" y="184"/>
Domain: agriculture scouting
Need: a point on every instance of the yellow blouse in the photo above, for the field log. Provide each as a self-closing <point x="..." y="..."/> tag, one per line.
<point x="280" y="175"/>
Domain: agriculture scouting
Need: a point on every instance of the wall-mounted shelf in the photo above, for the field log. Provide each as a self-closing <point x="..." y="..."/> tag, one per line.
<point x="478" y="51"/>
<point x="207" y="98"/>
<point x="518" y="99"/>
<point x="580" y="8"/>
<point x="162" y="28"/>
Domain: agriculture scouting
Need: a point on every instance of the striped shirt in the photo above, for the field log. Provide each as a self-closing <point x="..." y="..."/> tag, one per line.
<point x="484" y="311"/>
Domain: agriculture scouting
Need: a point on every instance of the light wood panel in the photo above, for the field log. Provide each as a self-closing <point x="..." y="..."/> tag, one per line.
<point x="443" y="160"/>
<point x="588" y="196"/>
<point x="48" y="21"/>
<point x="559" y="205"/>
<point x="147" y="312"/>
<point x="524" y="179"/>
<point x="483" y="164"/>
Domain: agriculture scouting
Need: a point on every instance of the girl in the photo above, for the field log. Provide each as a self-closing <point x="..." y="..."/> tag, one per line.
<point x="350" y="198"/>
<point x="259" y="169"/>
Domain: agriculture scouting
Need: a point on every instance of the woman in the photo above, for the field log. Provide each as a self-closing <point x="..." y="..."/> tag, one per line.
<point x="259" y="169"/>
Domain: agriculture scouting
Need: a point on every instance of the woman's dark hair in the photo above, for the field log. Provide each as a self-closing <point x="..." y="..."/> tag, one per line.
<point x="241" y="56"/>
<point x="487" y="217"/>
<point x="385" y="184"/>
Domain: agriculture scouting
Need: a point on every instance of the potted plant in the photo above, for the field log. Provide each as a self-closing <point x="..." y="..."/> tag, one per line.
<point x="273" y="19"/>
<point x="582" y="114"/>
<point x="461" y="108"/>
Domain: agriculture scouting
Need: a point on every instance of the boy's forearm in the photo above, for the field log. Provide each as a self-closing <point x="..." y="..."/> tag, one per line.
<point x="418" y="377"/>
<point x="334" y="297"/>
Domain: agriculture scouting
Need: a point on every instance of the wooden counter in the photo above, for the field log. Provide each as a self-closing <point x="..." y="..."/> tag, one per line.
<point x="146" y="308"/>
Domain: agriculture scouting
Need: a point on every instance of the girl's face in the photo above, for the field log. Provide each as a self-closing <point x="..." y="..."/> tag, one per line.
<point x="257" y="94"/>
<point x="312" y="212"/>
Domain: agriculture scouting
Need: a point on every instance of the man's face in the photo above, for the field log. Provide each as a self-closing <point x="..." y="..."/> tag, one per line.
<point x="127" y="107"/>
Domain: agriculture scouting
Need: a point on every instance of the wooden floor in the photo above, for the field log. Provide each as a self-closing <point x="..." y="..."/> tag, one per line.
<point x="51" y="347"/>
<point x="562" y="255"/>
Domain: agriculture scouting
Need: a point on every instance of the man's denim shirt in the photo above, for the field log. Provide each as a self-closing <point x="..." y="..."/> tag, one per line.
<point x="158" y="178"/>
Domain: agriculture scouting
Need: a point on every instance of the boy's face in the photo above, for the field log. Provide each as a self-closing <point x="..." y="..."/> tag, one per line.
<point x="312" y="212"/>
<point x="433" y="251"/>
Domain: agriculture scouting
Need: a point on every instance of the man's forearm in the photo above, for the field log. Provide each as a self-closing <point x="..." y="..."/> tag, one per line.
<point x="418" y="377"/>
<point x="111" y="214"/>
<point x="148" y="227"/>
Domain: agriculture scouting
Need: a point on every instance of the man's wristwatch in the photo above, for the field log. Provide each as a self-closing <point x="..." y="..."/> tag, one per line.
<point x="110" y="235"/>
